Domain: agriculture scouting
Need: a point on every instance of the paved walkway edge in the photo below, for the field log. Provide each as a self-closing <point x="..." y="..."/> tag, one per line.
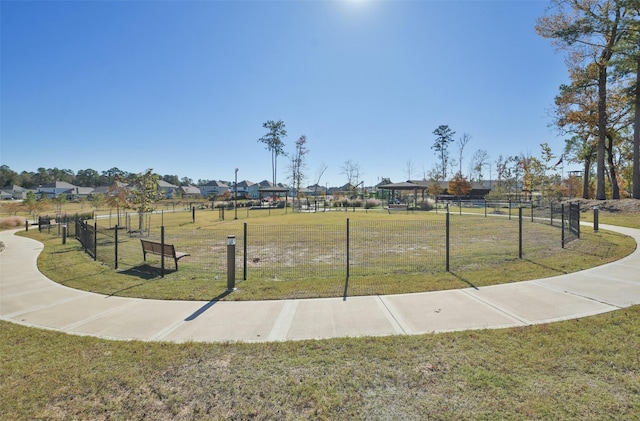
<point x="28" y="298"/>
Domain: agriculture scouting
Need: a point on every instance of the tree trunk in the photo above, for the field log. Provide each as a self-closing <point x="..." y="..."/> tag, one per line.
<point x="615" y="189"/>
<point x="602" y="132"/>
<point x="585" y="178"/>
<point x="636" y="138"/>
<point x="273" y="166"/>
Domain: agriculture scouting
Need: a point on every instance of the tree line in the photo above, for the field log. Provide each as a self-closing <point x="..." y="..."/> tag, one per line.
<point x="599" y="109"/>
<point x="83" y="178"/>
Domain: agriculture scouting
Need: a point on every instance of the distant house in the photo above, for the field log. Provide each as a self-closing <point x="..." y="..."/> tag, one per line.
<point x="345" y="190"/>
<point x="166" y="188"/>
<point x="302" y="192"/>
<point x="55" y="189"/>
<point x="213" y="189"/>
<point x="14" y="193"/>
<point x="245" y="189"/>
<point x="190" y="192"/>
<point x="113" y="190"/>
<point x="317" y="190"/>
<point x="80" y="193"/>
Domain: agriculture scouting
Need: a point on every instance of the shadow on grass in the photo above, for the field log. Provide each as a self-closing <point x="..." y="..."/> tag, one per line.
<point x="67" y="281"/>
<point x="561" y="272"/>
<point x="64" y="251"/>
<point x="146" y="272"/>
<point x="463" y="279"/>
<point x="207" y="306"/>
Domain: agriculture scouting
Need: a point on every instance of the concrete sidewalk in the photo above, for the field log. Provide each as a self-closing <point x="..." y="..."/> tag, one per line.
<point x="27" y="297"/>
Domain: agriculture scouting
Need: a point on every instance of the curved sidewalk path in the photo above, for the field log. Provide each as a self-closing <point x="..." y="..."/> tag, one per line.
<point x="27" y="297"/>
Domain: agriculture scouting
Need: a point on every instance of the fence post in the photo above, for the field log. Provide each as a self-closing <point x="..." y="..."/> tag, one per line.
<point x="231" y="263"/>
<point x="244" y="253"/>
<point x="193" y="215"/>
<point x="347" y="248"/>
<point x="520" y="233"/>
<point x="447" y="242"/>
<point x="95" y="241"/>
<point x="531" y="211"/>
<point x="64" y="234"/>
<point x="162" y="254"/>
<point x="115" y="237"/>
<point x="562" y="207"/>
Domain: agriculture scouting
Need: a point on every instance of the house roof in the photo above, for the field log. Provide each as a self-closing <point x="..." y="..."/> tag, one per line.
<point x="190" y="189"/>
<point x="274" y="189"/>
<point x="215" y="183"/>
<point x="385" y="180"/>
<point x="164" y="184"/>
<point x="83" y="190"/>
<point x="406" y="185"/>
<point x="246" y="183"/>
<point x="15" y="189"/>
<point x="117" y="185"/>
<point x="58" y="185"/>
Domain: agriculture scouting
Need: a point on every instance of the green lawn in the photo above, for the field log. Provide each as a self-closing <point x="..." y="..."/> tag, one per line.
<point x="586" y="369"/>
<point x="472" y="262"/>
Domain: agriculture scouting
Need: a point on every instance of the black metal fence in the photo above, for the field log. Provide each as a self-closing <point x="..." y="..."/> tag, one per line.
<point x="377" y="247"/>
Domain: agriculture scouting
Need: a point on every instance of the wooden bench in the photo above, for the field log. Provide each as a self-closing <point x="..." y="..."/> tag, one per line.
<point x="156" y="248"/>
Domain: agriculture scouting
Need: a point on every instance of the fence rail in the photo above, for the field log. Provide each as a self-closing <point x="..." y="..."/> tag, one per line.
<point x="358" y="249"/>
<point x="373" y="247"/>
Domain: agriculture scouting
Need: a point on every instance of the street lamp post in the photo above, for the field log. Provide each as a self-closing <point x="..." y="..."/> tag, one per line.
<point x="236" y="188"/>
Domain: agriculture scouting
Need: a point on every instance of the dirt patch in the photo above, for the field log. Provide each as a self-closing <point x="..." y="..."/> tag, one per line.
<point x="621" y="205"/>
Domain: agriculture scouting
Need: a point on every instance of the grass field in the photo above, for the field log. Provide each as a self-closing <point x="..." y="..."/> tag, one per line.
<point x="585" y="369"/>
<point x="484" y="252"/>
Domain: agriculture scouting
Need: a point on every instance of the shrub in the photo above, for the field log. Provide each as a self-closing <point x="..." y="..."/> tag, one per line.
<point x="12" y="222"/>
<point x="372" y="203"/>
<point x="427" y="205"/>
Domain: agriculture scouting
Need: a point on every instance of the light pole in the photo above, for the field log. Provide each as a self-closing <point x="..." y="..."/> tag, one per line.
<point x="236" y="188"/>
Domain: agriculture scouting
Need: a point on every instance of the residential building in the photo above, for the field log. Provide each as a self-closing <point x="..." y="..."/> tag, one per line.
<point x="190" y="192"/>
<point x="213" y="189"/>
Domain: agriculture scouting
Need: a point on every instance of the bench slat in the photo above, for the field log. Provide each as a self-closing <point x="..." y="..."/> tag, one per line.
<point x="156" y="248"/>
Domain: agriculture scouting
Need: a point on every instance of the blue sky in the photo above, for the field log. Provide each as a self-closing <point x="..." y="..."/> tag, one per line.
<point x="183" y="87"/>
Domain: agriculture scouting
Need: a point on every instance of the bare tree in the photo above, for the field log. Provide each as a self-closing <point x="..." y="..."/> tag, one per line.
<point x="352" y="171"/>
<point x="319" y="173"/>
<point x="298" y="164"/>
<point x="409" y="168"/>
<point x="478" y="162"/>
<point x="462" y="142"/>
